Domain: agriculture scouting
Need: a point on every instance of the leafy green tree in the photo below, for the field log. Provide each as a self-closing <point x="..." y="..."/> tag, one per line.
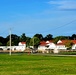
<point x="0" y="44"/>
<point x="2" y="41"/>
<point x="56" y="39"/>
<point x="28" y="41"/>
<point x="40" y="36"/>
<point x="34" y="41"/>
<point x="23" y="38"/>
<point x="14" y="39"/>
<point x="69" y="44"/>
<point x="73" y="36"/>
<point x="48" y="37"/>
<point x="8" y="43"/>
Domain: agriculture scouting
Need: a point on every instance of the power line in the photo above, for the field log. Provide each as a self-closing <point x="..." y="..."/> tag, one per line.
<point x="59" y="26"/>
<point x="4" y="32"/>
<point x="51" y="30"/>
<point x="65" y="24"/>
<point x="10" y="41"/>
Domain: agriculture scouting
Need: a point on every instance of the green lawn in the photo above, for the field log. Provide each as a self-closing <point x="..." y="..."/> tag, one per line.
<point x="37" y="65"/>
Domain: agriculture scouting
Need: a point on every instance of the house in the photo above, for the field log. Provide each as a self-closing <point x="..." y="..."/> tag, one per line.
<point x="74" y="44"/>
<point x="46" y="45"/>
<point x="21" y="47"/>
<point x="22" y="43"/>
<point x="42" y="46"/>
<point x="61" y="45"/>
<point x="50" y="45"/>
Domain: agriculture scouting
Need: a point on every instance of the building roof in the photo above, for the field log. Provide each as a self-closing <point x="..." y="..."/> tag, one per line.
<point x="74" y="41"/>
<point x="65" y="41"/>
<point x="23" y="42"/>
<point x="44" y="43"/>
<point x="60" y="42"/>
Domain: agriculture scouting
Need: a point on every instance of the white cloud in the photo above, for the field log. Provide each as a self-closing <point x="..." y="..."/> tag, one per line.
<point x="64" y="4"/>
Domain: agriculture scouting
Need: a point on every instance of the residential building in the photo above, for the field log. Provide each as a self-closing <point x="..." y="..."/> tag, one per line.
<point x="74" y="44"/>
<point x="61" y="45"/>
<point x="21" y="47"/>
<point x="46" y="45"/>
<point x="49" y="45"/>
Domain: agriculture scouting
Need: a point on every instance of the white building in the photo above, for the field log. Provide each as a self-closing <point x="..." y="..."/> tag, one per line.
<point x="42" y="46"/>
<point x="46" y="45"/>
<point x="21" y="47"/>
<point x="60" y="45"/>
<point x="74" y="45"/>
<point x="49" y="45"/>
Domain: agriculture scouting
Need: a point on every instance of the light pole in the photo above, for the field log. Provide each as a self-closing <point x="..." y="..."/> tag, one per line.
<point x="10" y="42"/>
<point x="33" y="42"/>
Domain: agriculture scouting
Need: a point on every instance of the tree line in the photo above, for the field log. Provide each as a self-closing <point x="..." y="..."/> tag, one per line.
<point x="35" y="40"/>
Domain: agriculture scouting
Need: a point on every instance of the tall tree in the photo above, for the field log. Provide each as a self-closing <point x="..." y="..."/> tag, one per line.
<point x="34" y="41"/>
<point x="23" y="37"/>
<point x="69" y="44"/>
<point x="56" y="39"/>
<point x="1" y="44"/>
<point x="48" y="37"/>
<point x="2" y="41"/>
<point x="73" y="37"/>
<point x="40" y="36"/>
<point x="28" y="41"/>
<point x="14" y="39"/>
<point x="8" y="43"/>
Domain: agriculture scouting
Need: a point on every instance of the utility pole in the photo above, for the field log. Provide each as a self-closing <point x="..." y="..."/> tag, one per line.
<point x="33" y="45"/>
<point x="10" y="41"/>
<point x="33" y="42"/>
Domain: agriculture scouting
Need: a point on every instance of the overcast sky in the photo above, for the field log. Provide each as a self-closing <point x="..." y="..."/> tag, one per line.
<point x="56" y="17"/>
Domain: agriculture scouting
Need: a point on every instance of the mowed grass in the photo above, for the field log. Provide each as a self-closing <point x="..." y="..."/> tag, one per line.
<point x="37" y="65"/>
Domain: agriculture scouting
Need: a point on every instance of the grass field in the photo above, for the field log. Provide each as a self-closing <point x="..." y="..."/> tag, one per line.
<point x="37" y="65"/>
